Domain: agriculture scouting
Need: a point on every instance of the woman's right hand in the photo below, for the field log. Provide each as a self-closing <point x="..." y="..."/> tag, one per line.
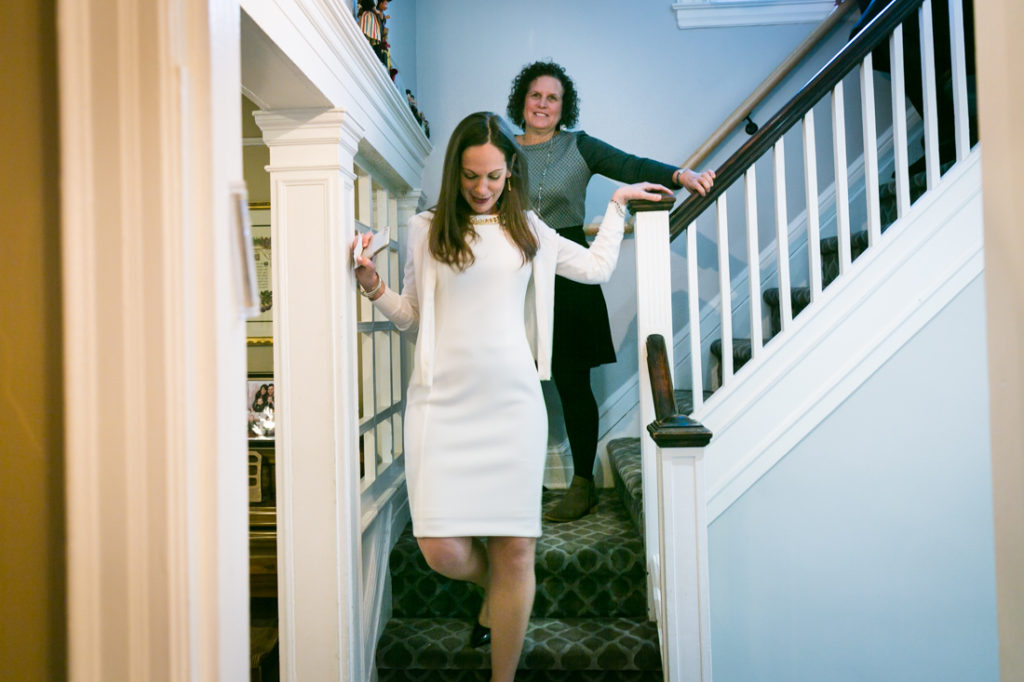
<point x="647" y="191"/>
<point x="366" y="272"/>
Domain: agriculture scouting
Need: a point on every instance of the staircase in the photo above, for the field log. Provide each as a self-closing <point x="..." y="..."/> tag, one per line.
<point x="589" y="620"/>
<point x="801" y="296"/>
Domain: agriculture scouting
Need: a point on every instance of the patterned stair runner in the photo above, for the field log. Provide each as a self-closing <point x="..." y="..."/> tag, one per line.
<point x="589" y="620"/>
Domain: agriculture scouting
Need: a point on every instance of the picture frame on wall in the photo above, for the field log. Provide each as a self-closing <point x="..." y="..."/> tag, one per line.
<point x="260" y="329"/>
<point x="260" y="402"/>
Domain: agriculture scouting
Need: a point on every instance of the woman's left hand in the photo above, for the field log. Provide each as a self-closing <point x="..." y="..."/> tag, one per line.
<point x="647" y="191"/>
<point x="696" y="182"/>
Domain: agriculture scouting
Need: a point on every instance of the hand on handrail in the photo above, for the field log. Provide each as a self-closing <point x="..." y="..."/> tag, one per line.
<point x="699" y="183"/>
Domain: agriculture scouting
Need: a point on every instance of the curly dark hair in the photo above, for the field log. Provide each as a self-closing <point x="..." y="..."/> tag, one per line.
<point x="521" y="85"/>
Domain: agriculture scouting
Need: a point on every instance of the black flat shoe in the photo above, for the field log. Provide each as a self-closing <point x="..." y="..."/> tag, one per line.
<point x="479" y="636"/>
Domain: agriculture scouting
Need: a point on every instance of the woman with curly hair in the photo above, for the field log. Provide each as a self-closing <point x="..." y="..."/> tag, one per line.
<point x="544" y="103"/>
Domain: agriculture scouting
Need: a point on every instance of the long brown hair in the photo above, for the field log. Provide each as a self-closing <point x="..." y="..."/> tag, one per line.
<point x="450" y="229"/>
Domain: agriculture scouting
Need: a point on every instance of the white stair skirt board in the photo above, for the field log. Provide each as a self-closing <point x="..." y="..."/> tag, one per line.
<point x="923" y="262"/>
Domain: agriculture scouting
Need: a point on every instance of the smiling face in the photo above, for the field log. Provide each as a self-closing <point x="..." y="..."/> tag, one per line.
<point x="482" y="178"/>
<point x="543" y="107"/>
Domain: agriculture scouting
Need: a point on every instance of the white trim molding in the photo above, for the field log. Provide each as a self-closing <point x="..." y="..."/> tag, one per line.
<point x="156" y="501"/>
<point x="729" y="13"/>
<point x="318" y="507"/>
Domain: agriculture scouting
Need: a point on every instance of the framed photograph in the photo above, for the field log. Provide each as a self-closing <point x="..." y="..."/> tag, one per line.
<point x="260" y="329"/>
<point x="261" y="407"/>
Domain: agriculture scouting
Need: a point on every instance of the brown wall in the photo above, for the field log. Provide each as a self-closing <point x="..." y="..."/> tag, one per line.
<point x="32" y="594"/>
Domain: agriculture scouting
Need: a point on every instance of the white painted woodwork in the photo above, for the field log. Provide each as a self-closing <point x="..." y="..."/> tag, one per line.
<point x="311" y="53"/>
<point x="959" y="63"/>
<point x="686" y="640"/>
<point x="693" y="297"/>
<point x="753" y="262"/>
<point x="654" y="316"/>
<point x="725" y="287"/>
<point x="619" y="412"/>
<point x="835" y="347"/>
<point x="931" y="119"/>
<point x="318" y="488"/>
<point x="154" y="376"/>
<point x="782" y="234"/>
<point x="842" y="176"/>
<point x="899" y="122"/>
<point x="870" y="156"/>
<point x="811" y="195"/>
<point x="729" y="13"/>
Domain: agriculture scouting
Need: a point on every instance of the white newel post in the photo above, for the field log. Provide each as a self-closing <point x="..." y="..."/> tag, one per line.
<point x="675" y="510"/>
<point x="653" y="316"/>
<point x="686" y="646"/>
<point x="318" y="503"/>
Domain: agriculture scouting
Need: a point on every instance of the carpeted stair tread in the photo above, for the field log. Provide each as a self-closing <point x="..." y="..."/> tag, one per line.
<point x="800" y="297"/>
<point x="571" y="644"/>
<point x="624" y="455"/>
<point x="590" y="567"/>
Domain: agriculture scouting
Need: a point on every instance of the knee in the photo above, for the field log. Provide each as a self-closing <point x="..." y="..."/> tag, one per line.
<point x="444" y="555"/>
<point x="514" y="555"/>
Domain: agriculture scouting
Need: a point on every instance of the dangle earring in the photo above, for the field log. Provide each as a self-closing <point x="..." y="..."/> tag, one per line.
<point x="508" y="183"/>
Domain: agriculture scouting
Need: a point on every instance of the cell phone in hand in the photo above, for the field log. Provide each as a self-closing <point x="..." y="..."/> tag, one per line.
<point x="378" y="243"/>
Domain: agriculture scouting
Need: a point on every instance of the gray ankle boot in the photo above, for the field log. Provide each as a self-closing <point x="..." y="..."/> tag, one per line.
<point x="580" y="499"/>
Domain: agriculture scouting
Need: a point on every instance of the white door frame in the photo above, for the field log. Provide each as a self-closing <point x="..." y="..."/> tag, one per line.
<point x="157" y="523"/>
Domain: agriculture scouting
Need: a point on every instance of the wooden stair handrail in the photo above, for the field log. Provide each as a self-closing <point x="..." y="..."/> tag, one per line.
<point x="768" y="84"/>
<point x="870" y="37"/>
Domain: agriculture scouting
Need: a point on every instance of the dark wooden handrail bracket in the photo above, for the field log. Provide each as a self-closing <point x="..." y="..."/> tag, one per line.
<point x="870" y="37"/>
<point x="669" y="429"/>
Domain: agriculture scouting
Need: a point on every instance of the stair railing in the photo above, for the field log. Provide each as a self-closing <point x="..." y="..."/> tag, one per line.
<point x="886" y="26"/>
<point x="673" y="486"/>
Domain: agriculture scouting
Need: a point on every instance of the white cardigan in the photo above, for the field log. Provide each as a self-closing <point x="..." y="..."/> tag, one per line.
<point x="414" y="307"/>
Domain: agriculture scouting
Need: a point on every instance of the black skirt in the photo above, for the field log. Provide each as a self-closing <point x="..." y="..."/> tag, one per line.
<point x="582" y="335"/>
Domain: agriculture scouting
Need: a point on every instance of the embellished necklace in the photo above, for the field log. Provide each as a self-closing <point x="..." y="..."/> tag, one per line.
<point x="484" y="220"/>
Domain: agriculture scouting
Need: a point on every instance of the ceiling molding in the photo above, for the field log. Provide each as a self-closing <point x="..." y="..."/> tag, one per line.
<point x="728" y="13"/>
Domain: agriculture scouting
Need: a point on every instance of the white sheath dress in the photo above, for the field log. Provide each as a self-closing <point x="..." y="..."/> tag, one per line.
<point x="476" y="437"/>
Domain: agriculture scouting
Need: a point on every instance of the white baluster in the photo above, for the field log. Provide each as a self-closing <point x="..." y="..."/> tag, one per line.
<point x="842" y="177"/>
<point x="811" y="192"/>
<point x="753" y="263"/>
<point x="931" y="119"/>
<point x="725" y="287"/>
<point x="899" y="122"/>
<point x="782" y="236"/>
<point x="696" y="369"/>
<point x="867" y="104"/>
<point x="959" y="62"/>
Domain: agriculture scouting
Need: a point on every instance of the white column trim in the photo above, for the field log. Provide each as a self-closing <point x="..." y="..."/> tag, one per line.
<point x="154" y="342"/>
<point x="318" y="508"/>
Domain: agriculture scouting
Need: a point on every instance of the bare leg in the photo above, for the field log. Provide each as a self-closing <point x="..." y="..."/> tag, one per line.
<point x="509" y="600"/>
<point x="456" y="558"/>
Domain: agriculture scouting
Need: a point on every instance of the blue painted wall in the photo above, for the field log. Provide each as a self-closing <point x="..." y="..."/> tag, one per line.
<point x="867" y="552"/>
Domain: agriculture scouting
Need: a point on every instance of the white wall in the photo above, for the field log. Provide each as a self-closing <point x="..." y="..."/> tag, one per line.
<point x="645" y="86"/>
<point x="867" y="552"/>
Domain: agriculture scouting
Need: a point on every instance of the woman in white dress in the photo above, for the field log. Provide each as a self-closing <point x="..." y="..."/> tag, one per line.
<point x="479" y="290"/>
